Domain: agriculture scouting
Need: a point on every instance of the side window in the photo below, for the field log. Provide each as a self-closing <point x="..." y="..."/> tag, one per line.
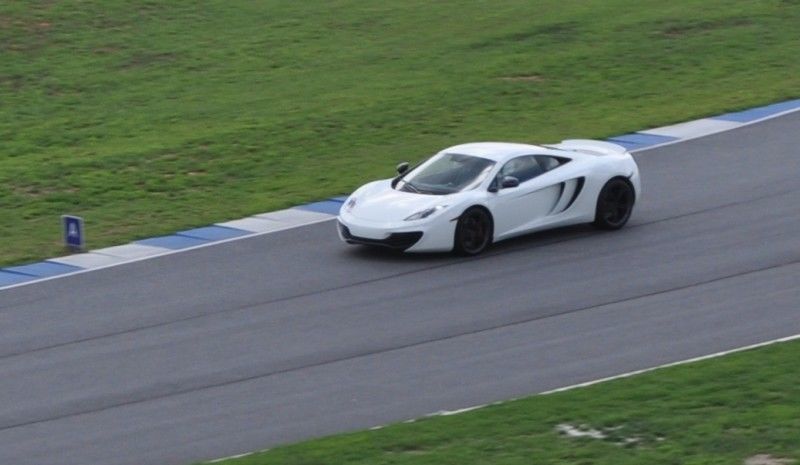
<point x="548" y="163"/>
<point x="522" y="168"/>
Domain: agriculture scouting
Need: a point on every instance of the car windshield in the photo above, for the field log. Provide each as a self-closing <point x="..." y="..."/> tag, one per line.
<point x="446" y="173"/>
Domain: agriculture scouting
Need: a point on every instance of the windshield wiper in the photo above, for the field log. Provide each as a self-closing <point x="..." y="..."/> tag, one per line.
<point x="411" y="186"/>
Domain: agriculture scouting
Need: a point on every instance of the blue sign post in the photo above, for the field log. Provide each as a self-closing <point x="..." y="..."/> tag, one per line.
<point x="73" y="231"/>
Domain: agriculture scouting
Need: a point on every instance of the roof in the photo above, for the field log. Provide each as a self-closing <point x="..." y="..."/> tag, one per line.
<point x="497" y="151"/>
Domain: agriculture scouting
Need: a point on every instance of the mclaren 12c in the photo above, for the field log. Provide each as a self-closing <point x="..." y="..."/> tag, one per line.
<point x="468" y="196"/>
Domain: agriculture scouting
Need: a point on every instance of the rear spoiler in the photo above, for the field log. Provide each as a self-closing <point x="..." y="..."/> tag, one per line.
<point x="591" y="147"/>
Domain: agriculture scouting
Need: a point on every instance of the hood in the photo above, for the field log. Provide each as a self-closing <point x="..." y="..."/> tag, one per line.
<point x="380" y="202"/>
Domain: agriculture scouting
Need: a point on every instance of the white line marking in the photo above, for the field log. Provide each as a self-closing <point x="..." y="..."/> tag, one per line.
<point x="579" y="385"/>
<point x="447" y="413"/>
<point x="672" y="364"/>
<point x="632" y="373"/>
<point x="232" y="457"/>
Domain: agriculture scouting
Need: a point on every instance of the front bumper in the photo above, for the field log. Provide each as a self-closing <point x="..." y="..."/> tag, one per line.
<point x="398" y="241"/>
<point x="433" y="235"/>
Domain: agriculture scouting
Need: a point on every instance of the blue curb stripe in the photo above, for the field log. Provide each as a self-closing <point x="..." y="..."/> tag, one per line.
<point x="173" y="242"/>
<point x="637" y="140"/>
<point x="7" y="279"/>
<point x="330" y="207"/>
<point x="761" y="112"/>
<point x="627" y="145"/>
<point x="213" y="233"/>
<point x="43" y="269"/>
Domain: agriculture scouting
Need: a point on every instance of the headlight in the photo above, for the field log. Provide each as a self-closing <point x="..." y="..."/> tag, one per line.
<point x="350" y="204"/>
<point x="425" y="213"/>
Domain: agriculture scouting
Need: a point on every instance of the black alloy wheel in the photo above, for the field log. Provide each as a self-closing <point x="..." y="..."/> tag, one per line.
<point x="614" y="204"/>
<point x="473" y="231"/>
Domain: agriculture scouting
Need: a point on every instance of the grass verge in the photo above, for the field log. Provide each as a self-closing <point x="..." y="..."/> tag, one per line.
<point x="719" y="411"/>
<point x="149" y="117"/>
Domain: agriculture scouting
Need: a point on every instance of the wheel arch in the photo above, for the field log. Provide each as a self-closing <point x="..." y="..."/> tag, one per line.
<point x="489" y="216"/>
<point x="480" y="207"/>
<point x="630" y="183"/>
<point x="626" y="180"/>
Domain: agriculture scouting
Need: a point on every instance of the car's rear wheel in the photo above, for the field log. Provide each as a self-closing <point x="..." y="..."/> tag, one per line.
<point x="473" y="231"/>
<point x="614" y="204"/>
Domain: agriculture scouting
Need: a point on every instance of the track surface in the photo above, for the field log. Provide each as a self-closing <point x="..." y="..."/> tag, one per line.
<point x="277" y="338"/>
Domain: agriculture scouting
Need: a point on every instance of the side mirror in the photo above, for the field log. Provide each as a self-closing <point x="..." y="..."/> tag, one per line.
<point x="402" y="168"/>
<point x="509" y="181"/>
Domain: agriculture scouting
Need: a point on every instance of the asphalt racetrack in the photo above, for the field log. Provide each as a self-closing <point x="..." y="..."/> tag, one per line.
<point x="292" y="335"/>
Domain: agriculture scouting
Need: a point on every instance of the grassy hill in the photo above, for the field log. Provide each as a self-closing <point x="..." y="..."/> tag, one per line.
<point x="151" y="116"/>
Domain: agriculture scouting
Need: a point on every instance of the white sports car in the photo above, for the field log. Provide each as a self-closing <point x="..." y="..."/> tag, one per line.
<point x="468" y="196"/>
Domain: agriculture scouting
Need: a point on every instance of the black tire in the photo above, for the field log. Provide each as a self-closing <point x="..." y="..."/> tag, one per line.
<point x="614" y="204"/>
<point x="474" y="231"/>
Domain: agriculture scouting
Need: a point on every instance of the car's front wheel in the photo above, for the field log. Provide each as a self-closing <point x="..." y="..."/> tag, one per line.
<point x="473" y="231"/>
<point x="614" y="204"/>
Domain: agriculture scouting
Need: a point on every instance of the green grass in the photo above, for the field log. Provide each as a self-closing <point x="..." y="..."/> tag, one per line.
<point x="148" y="117"/>
<point x="718" y="411"/>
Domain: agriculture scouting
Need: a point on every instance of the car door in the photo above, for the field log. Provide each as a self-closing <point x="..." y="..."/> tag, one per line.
<point x="516" y="209"/>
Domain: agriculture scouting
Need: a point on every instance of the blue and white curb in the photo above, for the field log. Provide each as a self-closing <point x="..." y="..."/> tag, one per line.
<point x="327" y="209"/>
<point x="681" y="132"/>
<point x="163" y="245"/>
